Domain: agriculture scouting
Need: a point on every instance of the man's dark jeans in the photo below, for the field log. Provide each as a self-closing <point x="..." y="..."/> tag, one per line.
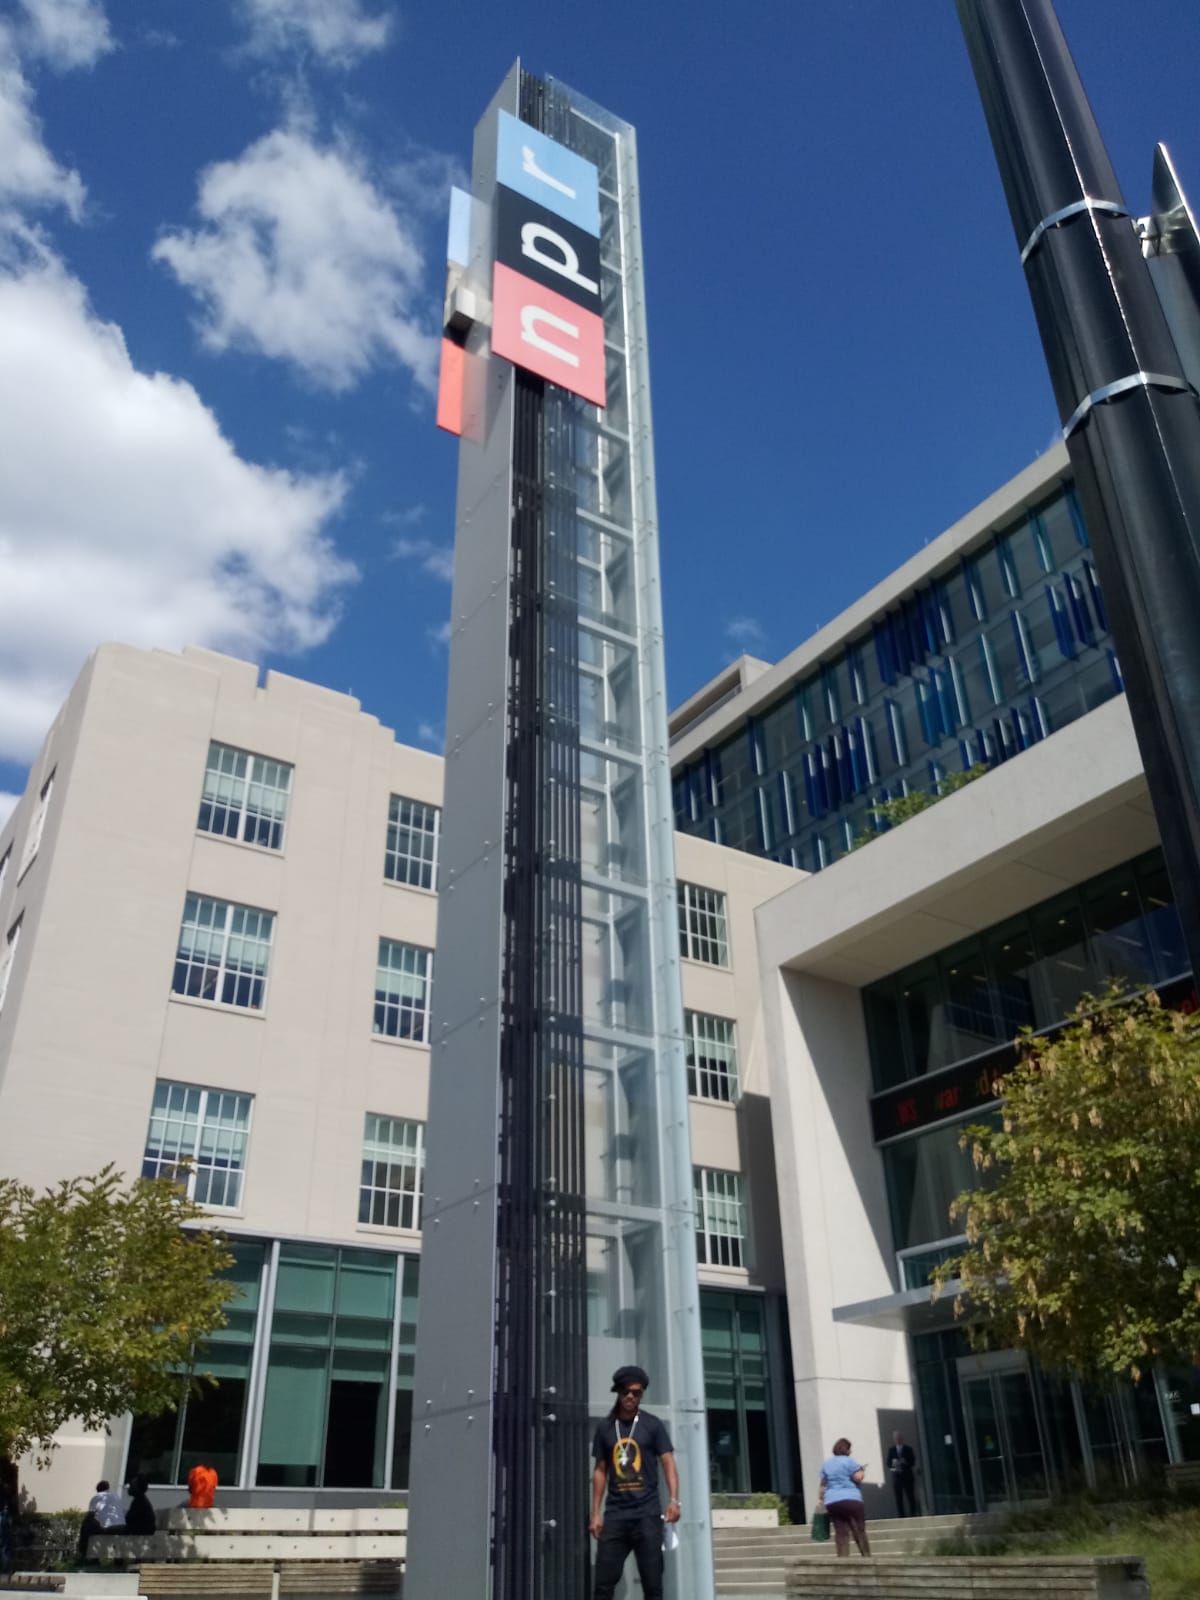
<point x="620" y="1535"/>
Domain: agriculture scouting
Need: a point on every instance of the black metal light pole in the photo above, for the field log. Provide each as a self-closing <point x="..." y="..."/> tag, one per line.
<point x="1131" y="421"/>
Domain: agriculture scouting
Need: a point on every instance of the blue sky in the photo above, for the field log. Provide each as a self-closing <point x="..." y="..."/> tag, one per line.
<point x="221" y="243"/>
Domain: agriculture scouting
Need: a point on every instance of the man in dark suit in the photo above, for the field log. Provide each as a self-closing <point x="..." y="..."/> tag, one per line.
<point x="902" y="1464"/>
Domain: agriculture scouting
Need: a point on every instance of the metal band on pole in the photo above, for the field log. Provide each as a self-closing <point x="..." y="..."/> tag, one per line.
<point x="1108" y="208"/>
<point x="1109" y="391"/>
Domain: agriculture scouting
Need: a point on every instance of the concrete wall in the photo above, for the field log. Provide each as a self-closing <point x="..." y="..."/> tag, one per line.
<point x="91" y="1020"/>
<point x="849" y="1381"/>
<point x="738" y="1138"/>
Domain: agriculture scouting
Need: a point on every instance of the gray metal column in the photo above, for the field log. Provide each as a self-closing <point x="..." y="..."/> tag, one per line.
<point x="1131" y="421"/>
<point x="450" y="1474"/>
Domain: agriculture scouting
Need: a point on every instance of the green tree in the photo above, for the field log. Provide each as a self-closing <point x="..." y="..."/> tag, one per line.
<point x="104" y="1296"/>
<point x="1084" y="1236"/>
<point x="903" y="806"/>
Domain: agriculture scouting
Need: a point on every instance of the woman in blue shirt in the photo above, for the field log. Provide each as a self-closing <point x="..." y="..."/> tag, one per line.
<point x="840" y="1478"/>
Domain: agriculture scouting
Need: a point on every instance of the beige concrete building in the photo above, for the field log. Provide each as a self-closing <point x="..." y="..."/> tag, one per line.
<point x="218" y="902"/>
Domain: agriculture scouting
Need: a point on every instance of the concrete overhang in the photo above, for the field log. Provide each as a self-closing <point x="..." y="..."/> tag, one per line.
<point x="911" y="1311"/>
<point x="1068" y="808"/>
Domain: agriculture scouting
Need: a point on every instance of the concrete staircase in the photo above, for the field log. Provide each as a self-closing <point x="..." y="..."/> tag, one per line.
<point x="751" y="1562"/>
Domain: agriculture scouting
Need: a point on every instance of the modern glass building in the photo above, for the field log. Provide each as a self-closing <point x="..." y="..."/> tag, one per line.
<point x="947" y="1024"/>
<point x="896" y="979"/>
<point x="992" y="653"/>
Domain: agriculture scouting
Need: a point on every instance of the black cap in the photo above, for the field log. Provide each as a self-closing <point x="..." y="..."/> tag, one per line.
<point x="625" y="1375"/>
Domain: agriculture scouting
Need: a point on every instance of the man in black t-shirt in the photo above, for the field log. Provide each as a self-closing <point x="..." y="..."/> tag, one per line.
<point x="627" y="1449"/>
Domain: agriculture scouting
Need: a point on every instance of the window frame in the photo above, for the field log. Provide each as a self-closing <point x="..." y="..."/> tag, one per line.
<point x="691" y="938"/>
<point x="422" y="1012"/>
<point x="393" y="857"/>
<point x="196" y="1166"/>
<point x="373" y="1195"/>
<point x="37" y="826"/>
<point x="8" y="957"/>
<point x="224" y="973"/>
<point x="707" y="1183"/>
<point x="244" y="814"/>
<point x="718" y="1068"/>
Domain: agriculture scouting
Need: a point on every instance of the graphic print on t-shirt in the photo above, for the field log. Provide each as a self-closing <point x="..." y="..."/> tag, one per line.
<point x="627" y="1477"/>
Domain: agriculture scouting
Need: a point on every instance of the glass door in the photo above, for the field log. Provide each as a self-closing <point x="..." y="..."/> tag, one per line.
<point x="1004" y="1430"/>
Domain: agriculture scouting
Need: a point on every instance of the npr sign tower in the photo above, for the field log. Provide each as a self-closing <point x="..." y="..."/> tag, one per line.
<point x="559" y="1239"/>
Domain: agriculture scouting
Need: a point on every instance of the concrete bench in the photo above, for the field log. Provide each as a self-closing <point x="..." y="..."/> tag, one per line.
<point x="969" y="1578"/>
<point x="219" y="1578"/>
<point x="267" y="1535"/>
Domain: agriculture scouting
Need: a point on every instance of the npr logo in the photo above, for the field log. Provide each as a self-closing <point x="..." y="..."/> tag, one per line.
<point x="546" y="308"/>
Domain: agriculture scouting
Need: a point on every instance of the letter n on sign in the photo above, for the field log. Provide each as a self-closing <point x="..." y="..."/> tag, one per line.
<point x="548" y="334"/>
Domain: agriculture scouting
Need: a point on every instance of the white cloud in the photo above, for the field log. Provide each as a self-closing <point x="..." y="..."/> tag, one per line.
<point x="67" y="33"/>
<point x="432" y="734"/>
<point x="302" y="258"/>
<point x="439" y="637"/>
<point x="126" y="514"/>
<point x="435" y="559"/>
<point x="29" y="174"/>
<point x="340" y="32"/>
<point x="744" y="632"/>
<point x="8" y="804"/>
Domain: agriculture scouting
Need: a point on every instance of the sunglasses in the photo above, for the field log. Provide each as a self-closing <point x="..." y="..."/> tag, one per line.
<point x="636" y="1393"/>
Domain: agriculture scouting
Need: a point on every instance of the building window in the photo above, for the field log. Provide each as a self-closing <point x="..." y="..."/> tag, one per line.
<point x="223" y="952"/>
<point x="402" y="983"/>
<point x="4" y="861"/>
<point x="208" y="1129"/>
<point x="244" y="797"/>
<point x="7" y="956"/>
<point x="393" y="1167"/>
<point x="412" y="843"/>
<point x="702" y="934"/>
<point x="719" y="1222"/>
<point x="33" y="839"/>
<point x="711" y="1056"/>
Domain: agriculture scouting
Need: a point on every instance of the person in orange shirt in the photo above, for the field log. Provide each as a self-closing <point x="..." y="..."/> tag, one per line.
<point x="202" y="1486"/>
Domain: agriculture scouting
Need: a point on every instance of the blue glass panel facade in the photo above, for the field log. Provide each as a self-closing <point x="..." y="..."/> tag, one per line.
<point x="974" y="667"/>
<point x="1028" y="972"/>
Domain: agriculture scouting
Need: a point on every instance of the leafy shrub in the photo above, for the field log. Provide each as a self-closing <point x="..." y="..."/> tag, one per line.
<point x="754" y="1502"/>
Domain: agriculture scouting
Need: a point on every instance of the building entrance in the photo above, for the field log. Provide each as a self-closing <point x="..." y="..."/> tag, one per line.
<point x="1005" y="1436"/>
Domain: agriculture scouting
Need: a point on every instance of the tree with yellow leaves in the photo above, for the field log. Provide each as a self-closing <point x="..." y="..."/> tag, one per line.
<point x="106" y="1297"/>
<point x="1084" y="1235"/>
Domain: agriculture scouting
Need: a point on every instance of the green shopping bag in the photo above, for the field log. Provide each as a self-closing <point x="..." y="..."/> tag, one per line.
<point x="820" y="1525"/>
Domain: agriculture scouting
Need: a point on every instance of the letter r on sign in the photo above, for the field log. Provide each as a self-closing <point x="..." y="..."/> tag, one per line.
<point x="529" y="165"/>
